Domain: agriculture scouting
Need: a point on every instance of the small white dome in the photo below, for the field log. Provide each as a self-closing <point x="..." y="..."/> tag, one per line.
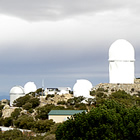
<point x="121" y="50"/>
<point x="30" y="87"/>
<point x="17" y="90"/>
<point x="82" y="88"/>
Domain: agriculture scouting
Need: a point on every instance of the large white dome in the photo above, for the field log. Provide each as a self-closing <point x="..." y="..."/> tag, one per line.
<point x="121" y="62"/>
<point x="30" y="87"/>
<point x="121" y="50"/>
<point x="17" y="90"/>
<point x="82" y="88"/>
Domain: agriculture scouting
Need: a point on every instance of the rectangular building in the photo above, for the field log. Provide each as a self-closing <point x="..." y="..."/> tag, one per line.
<point x="62" y="115"/>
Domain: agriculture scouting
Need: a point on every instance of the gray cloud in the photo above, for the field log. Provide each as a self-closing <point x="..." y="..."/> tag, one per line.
<point x="54" y="10"/>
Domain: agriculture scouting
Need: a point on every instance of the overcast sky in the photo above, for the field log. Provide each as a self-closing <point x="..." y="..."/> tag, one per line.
<point x="61" y="41"/>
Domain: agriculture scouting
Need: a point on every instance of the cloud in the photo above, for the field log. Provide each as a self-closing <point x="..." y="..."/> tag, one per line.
<point x="55" y="10"/>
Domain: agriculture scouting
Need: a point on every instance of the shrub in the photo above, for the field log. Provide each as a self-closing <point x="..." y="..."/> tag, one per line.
<point x="8" y="121"/>
<point x="35" y="102"/>
<point x="27" y="106"/>
<point x="61" y="102"/>
<point x="24" y="122"/>
<point x="42" y="126"/>
<point x="22" y="100"/>
<point x="12" y="135"/>
<point x="16" y="113"/>
<point x="99" y="94"/>
<point x="109" y="121"/>
<point x="100" y="89"/>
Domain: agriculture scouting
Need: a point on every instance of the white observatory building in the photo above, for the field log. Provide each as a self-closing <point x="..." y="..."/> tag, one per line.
<point x="121" y="62"/>
<point x="29" y="87"/>
<point x="19" y="91"/>
<point x="82" y="88"/>
<point x="15" y="93"/>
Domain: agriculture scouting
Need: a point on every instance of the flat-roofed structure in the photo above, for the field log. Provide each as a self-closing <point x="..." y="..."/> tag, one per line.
<point x="62" y="115"/>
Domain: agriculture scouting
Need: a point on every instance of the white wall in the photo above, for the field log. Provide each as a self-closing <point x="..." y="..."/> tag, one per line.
<point x="121" y="72"/>
<point x="59" y="118"/>
<point x="14" y="97"/>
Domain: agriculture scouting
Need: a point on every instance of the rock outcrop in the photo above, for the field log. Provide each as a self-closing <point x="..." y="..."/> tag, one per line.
<point x="54" y="100"/>
<point x="129" y="88"/>
<point x="7" y="111"/>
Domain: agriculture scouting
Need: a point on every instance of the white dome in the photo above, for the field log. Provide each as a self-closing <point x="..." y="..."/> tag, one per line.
<point x="30" y="87"/>
<point x="17" y="90"/>
<point x="121" y="50"/>
<point x="82" y="88"/>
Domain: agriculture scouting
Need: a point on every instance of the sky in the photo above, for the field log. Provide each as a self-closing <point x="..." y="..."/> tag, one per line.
<point x="60" y="41"/>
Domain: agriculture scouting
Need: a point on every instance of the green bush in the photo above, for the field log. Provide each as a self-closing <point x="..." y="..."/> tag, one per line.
<point x="27" y="106"/>
<point x="109" y="121"/>
<point x="100" y="89"/>
<point x="16" y="113"/>
<point x="1" y="107"/>
<point x="100" y="94"/>
<point x="42" y="112"/>
<point x="31" y="110"/>
<point x="81" y="106"/>
<point x="22" y="101"/>
<point x="1" y="121"/>
<point x="8" y="121"/>
<point x="61" y="102"/>
<point x="92" y="93"/>
<point x="24" y="122"/>
<point x="12" y="135"/>
<point x="42" y="126"/>
<point x="35" y="102"/>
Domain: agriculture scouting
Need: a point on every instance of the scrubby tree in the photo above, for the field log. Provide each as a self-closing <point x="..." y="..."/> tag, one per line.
<point x="16" y="113"/>
<point x="39" y="91"/>
<point x="1" y="107"/>
<point x="24" y="122"/>
<point x="124" y="98"/>
<point x="12" y="135"/>
<point x="91" y="101"/>
<point x="27" y="102"/>
<point x="22" y="100"/>
<point x="35" y="102"/>
<point x="75" y="100"/>
<point x="1" y="121"/>
<point x="80" y="106"/>
<point x="27" y="106"/>
<point x="42" y="126"/>
<point x="109" y="121"/>
<point x="76" y="103"/>
<point x="8" y="121"/>
<point x="42" y="112"/>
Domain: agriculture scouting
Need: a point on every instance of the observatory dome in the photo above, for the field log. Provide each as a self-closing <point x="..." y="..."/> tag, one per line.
<point x="30" y="87"/>
<point x="15" y="93"/>
<point x="82" y="88"/>
<point x="121" y="50"/>
<point x="17" y="90"/>
<point x="121" y="62"/>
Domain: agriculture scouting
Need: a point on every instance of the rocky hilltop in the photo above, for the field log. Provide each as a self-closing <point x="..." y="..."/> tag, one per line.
<point x="129" y="88"/>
